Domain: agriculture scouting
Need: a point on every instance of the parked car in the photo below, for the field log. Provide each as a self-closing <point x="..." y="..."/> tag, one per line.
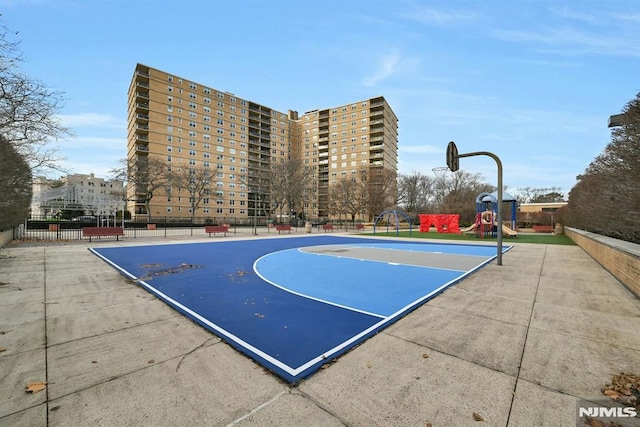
<point x="86" y="218"/>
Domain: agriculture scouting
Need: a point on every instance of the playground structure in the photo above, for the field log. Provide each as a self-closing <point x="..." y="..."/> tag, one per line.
<point x="444" y="223"/>
<point x="393" y="219"/>
<point x="486" y="223"/>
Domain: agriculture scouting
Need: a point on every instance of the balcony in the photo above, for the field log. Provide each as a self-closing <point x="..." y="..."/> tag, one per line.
<point x="143" y="95"/>
<point x="376" y="129"/>
<point x="142" y="106"/>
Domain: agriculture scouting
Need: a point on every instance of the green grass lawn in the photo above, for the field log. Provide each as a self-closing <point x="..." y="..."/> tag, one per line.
<point x="542" y="238"/>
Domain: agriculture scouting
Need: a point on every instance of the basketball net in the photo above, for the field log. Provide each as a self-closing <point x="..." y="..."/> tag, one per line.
<point x="440" y="172"/>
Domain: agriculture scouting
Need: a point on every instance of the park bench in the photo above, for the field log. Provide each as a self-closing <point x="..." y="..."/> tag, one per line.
<point x="359" y="227"/>
<point x="213" y="229"/>
<point x="543" y="229"/>
<point x="327" y="227"/>
<point x="102" y="231"/>
<point x="283" y="227"/>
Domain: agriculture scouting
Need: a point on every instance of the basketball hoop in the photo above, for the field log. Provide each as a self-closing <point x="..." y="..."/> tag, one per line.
<point x="440" y="172"/>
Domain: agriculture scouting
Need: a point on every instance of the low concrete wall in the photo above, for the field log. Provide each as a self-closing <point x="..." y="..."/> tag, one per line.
<point x="5" y="237"/>
<point x="620" y="258"/>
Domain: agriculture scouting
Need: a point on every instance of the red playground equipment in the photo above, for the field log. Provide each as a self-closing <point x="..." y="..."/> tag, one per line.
<point x="444" y="223"/>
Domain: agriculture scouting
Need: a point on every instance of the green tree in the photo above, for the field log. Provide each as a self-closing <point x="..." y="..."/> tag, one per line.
<point x="15" y="186"/>
<point x="606" y="199"/>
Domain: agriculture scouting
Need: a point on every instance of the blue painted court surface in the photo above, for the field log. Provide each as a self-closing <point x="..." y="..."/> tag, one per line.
<point x="294" y="304"/>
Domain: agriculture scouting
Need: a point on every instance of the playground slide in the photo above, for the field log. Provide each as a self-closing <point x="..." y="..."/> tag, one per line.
<point x="469" y="228"/>
<point x="509" y="232"/>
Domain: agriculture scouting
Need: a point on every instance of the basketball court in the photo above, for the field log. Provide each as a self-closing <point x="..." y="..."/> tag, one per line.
<point x="294" y="304"/>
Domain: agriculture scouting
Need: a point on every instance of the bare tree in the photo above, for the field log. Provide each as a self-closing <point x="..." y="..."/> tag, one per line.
<point x="27" y="109"/>
<point x="195" y="180"/>
<point x="414" y="191"/>
<point x="144" y="176"/>
<point x="381" y="190"/>
<point x="539" y="194"/>
<point x="288" y="185"/>
<point x="347" y="197"/>
<point x="463" y="190"/>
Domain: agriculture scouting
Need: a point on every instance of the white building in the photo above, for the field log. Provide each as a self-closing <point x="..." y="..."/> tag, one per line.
<point x="77" y="192"/>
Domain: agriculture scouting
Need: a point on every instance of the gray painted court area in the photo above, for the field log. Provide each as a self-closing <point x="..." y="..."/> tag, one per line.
<point x="520" y="344"/>
<point x="399" y="256"/>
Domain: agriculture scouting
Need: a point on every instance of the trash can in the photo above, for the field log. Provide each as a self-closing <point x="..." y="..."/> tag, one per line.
<point x="307" y="226"/>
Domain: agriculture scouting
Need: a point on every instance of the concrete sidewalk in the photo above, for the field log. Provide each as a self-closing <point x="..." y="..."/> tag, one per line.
<point x="517" y="345"/>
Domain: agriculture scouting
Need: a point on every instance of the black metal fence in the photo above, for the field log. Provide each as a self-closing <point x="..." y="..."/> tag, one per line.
<point x="46" y="228"/>
<point x="52" y="228"/>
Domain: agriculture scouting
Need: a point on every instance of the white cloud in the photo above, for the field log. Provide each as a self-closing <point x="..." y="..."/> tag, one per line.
<point x="441" y="18"/>
<point x="421" y="149"/>
<point x="95" y="142"/>
<point x="567" y="41"/>
<point x="386" y="68"/>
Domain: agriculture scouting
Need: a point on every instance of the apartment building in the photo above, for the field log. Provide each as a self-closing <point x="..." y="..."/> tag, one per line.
<point x="192" y="125"/>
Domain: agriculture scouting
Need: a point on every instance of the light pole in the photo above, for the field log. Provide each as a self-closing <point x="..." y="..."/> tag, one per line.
<point x="255" y="214"/>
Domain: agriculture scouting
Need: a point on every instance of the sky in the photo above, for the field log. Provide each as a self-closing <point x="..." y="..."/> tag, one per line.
<point x="533" y="82"/>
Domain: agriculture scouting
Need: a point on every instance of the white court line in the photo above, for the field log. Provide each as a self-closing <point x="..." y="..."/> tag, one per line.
<point x="326" y="355"/>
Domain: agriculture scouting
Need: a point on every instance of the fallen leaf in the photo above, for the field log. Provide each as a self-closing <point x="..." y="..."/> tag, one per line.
<point x="2" y="349"/>
<point x="425" y="356"/>
<point x="611" y="393"/>
<point x="428" y="425"/>
<point x="592" y="422"/>
<point x="369" y="365"/>
<point x="35" y="387"/>
<point x="477" y="417"/>
<point x="151" y="361"/>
